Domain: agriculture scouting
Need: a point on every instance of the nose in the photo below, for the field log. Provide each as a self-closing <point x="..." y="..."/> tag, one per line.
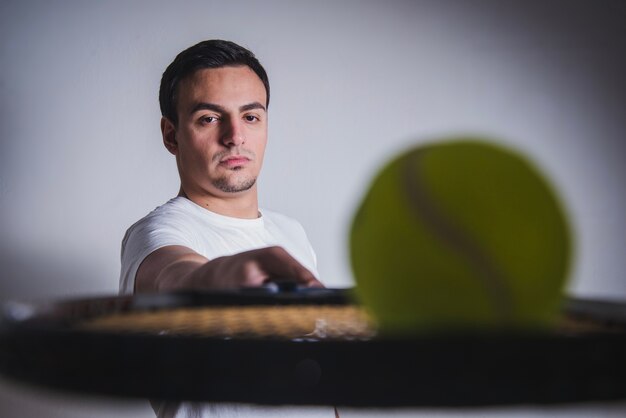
<point x="233" y="134"/>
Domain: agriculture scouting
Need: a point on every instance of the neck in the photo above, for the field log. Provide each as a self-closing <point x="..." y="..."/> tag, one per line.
<point x="240" y="205"/>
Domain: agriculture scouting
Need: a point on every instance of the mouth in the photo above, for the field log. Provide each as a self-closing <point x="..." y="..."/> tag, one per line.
<point x="234" y="161"/>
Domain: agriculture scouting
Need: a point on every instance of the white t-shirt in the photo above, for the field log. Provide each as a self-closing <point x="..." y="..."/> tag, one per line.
<point x="182" y="222"/>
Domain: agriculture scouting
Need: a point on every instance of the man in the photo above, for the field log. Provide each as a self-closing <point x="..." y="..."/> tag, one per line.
<point x="214" y="98"/>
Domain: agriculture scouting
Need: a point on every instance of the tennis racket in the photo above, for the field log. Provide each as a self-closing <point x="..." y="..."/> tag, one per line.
<point x="304" y="347"/>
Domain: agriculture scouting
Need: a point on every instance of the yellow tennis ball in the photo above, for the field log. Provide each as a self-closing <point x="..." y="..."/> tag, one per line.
<point x="460" y="234"/>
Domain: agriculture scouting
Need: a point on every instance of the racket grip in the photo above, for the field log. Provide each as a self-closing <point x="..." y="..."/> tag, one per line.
<point x="274" y="286"/>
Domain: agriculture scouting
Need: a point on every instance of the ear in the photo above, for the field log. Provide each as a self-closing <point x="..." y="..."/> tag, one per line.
<point x="168" y="131"/>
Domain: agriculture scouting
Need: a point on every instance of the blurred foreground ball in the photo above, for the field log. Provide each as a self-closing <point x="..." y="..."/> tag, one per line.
<point x="460" y="234"/>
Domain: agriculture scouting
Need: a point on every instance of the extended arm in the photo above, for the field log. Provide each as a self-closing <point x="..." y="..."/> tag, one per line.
<point x="177" y="267"/>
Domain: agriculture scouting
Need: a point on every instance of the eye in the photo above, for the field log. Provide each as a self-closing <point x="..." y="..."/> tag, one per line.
<point x="251" y="118"/>
<point x="208" y="119"/>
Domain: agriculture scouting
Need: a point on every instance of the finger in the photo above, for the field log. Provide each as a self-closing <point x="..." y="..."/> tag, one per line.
<point x="235" y="271"/>
<point x="278" y="263"/>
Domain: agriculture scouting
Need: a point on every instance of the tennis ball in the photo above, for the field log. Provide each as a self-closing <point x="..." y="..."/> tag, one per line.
<point x="460" y="234"/>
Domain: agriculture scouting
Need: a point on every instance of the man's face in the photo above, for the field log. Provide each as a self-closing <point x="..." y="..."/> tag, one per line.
<point x="222" y="131"/>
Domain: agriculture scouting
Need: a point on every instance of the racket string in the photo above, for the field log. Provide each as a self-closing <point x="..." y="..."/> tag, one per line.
<point x="318" y="322"/>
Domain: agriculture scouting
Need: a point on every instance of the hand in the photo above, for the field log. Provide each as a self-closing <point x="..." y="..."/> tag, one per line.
<point x="255" y="268"/>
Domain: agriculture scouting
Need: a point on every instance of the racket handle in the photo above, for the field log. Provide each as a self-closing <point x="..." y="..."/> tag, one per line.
<point x="275" y="286"/>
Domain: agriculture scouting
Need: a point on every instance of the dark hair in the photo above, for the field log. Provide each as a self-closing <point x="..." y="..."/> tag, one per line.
<point x="214" y="53"/>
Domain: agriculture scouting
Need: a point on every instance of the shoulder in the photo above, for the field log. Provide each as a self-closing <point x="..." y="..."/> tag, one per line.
<point x="279" y="225"/>
<point x="279" y="220"/>
<point x="174" y="213"/>
<point x="290" y="234"/>
<point x="176" y="208"/>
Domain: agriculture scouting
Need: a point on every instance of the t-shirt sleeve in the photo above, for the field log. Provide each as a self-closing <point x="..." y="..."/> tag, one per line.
<point x="145" y="237"/>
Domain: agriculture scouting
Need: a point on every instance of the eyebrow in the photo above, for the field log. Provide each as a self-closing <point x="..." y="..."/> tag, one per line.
<point x="217" y="108"/>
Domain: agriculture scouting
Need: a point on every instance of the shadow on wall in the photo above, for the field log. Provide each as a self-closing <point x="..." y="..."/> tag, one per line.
<point x="33" y="277"/>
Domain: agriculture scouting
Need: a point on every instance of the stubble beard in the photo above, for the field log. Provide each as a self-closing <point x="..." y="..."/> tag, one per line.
<point x="227" y="185"/>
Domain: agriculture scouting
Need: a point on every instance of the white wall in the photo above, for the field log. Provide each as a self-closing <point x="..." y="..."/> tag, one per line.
<point x="353" y="82"/>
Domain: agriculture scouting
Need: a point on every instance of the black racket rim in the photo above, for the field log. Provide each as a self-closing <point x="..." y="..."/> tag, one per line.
<point x="39" y="346"/>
